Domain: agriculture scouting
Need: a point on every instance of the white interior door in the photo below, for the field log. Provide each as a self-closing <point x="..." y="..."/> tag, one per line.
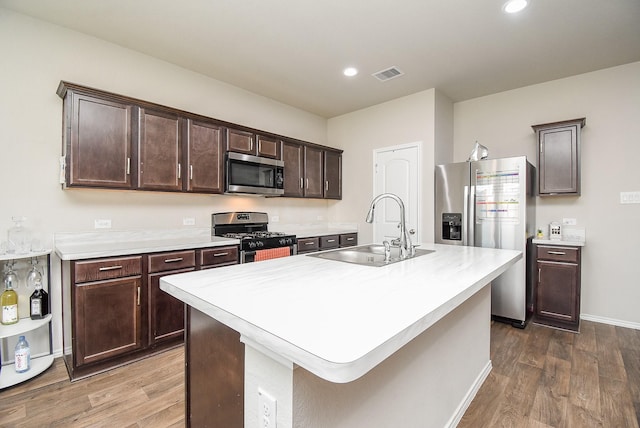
<point x="397" y="170"/>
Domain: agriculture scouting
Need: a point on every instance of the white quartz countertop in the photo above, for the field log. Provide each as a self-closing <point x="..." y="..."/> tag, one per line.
<point x="89" y="245"/>
<point x="558" y="242"/>
<point x="335" y="319"/>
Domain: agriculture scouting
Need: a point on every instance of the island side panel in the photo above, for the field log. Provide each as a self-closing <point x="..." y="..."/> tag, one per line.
<point x="429" y="382"/>
<point x="214" y="365"/>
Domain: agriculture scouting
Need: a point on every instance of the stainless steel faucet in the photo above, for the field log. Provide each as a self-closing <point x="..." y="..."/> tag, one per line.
<point x="404" y="242"/>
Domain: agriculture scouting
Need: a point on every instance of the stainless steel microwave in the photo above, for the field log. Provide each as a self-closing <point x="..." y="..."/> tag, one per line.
<point x="253" y="175"/>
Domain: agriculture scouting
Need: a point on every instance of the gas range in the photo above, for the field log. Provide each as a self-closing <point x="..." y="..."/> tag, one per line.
<point x="251" y="228"/>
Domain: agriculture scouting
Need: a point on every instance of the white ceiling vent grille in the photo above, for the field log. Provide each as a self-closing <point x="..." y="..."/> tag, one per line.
<point x="388" y="74"/>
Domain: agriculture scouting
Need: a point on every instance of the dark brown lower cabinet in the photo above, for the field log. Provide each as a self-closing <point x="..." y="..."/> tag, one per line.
<point x="114" y="311"/>
<point x="558" y="287"/>
<point x="214" y="369"/>
<point x="108" y="319"/>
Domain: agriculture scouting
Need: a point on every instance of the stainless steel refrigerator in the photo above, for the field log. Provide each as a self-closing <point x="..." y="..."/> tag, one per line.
<point x="491" y="203"/>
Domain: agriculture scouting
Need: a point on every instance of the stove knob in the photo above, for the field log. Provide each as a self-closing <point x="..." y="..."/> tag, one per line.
<point x="282" y="242"/>
<point x="252" y="245"/>
<point x="260" y="244"/>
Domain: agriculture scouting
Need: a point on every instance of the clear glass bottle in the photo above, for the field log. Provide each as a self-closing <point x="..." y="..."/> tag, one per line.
<point x="9" y="298"/>
<point x="18" y="238"/>
<point x="39" y="300"/>
<point x="22" y="359"/>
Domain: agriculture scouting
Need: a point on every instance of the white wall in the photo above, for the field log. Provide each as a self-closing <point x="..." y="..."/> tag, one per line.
<point x="610" y="101"/>
<point x="404" y="120"/>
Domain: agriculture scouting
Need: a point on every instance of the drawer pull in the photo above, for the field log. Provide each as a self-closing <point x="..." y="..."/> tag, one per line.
<point x="350" y="239"/>
<point x="331" y="240"/>
<point x="177" y="259"/>
<point x="107" y="268"/>
<point x="557" y="253"/>
<point x="220" y="254"/>
<point x="309" y="243"/>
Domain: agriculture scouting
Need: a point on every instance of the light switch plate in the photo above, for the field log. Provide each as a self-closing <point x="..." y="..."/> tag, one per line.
<point x="630" y="197"/>
<point x="188" y="221"/>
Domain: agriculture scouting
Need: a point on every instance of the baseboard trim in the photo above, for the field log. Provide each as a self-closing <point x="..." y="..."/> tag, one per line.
<point x="611" y="321"/>
<point x="471" y="394"/>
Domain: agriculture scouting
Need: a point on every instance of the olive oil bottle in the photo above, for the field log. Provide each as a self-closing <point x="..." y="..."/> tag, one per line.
<point x="9" y="298"/>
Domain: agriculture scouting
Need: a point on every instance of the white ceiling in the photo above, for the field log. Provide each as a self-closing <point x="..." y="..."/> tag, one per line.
<point x="294" y="51"/>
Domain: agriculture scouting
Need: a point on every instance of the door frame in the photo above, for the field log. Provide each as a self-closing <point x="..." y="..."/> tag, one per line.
<point x="418" y="146"/>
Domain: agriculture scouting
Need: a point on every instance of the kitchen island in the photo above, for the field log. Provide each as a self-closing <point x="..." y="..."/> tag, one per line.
<point x="344" y="345"/>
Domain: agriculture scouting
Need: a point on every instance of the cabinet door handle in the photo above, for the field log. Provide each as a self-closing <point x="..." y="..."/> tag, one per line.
<point x="307" y="184"/>
<point x="128" y="166"/>
<point x="138" y="295"/>
<point x="220" y="254"/>
<point x="107" y="268"/>
<point x="177" y="259"/>
<point x="557" y="253"/>
<point x="326" y="185"/>
<point x="179" y="171"/>
<point x="190" y="172"/>
<point x="539" y="273"/>
<point x="301" y="183"/>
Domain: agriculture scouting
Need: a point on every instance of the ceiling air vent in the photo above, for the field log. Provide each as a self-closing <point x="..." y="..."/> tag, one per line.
<point x="387" y="74"/>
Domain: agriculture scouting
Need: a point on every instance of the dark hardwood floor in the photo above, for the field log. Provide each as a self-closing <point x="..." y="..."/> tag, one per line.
<point x="544" y="377"/>
<point x="541" y="377"/>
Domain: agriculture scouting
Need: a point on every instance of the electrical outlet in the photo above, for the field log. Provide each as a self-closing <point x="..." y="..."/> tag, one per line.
<point x="102" y="223"/>
<point x="188" y="221"/>
<point x="569" y="221"/>
<point x="266" y="410"/>
<point x="275" y="218"/>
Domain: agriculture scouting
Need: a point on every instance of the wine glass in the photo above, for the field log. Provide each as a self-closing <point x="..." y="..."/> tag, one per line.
<point x="34" y="277"/>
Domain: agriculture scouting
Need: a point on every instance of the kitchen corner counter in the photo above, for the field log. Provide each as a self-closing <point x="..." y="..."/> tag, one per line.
<point x="335" y="319"/>
<point x="87" y="245"/>
<point x="559" y="242"/>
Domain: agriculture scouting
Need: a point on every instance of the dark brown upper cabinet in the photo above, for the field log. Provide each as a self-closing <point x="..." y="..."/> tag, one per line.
<point x="113" y="141"/>
<point x="332" y="174"/>
<point x="293" y="157"/>
<point x="97" y="143"/>
<point x="559" y="157"/>
<point x="160" y="153"/>
<point x="250" y="143"/>
<point x="204" y="155"/>
<point x="311" y="171"/>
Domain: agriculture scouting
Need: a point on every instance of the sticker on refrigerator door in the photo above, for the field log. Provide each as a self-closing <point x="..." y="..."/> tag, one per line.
<point x="498" y="196"/>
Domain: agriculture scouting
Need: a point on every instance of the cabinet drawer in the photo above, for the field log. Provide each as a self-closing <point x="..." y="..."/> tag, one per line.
<point x="171" y="260"/>
<point x="558" y="254"/>
<point x="99" y="269"/>
<point x="348" y="239"/>
<point x="219" y="256"/>
<point x="329" y="241"/>
<point x="308" y="244"/>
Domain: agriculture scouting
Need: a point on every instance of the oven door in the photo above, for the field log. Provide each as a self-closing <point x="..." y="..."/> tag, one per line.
<point x="270" y="253"/>
<point x="253" y="175"/>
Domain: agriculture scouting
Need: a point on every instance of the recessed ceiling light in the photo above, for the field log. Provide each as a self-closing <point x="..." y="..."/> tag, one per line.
<point x="515" y="6"/>
<point x="350" y="71"/>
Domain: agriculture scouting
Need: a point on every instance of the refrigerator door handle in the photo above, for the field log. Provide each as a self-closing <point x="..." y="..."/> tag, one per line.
<point x="471" y="220"/>
<point x="465" y="217"/>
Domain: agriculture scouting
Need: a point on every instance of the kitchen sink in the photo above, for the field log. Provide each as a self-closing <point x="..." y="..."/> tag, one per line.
<point x="368" y="255"/>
